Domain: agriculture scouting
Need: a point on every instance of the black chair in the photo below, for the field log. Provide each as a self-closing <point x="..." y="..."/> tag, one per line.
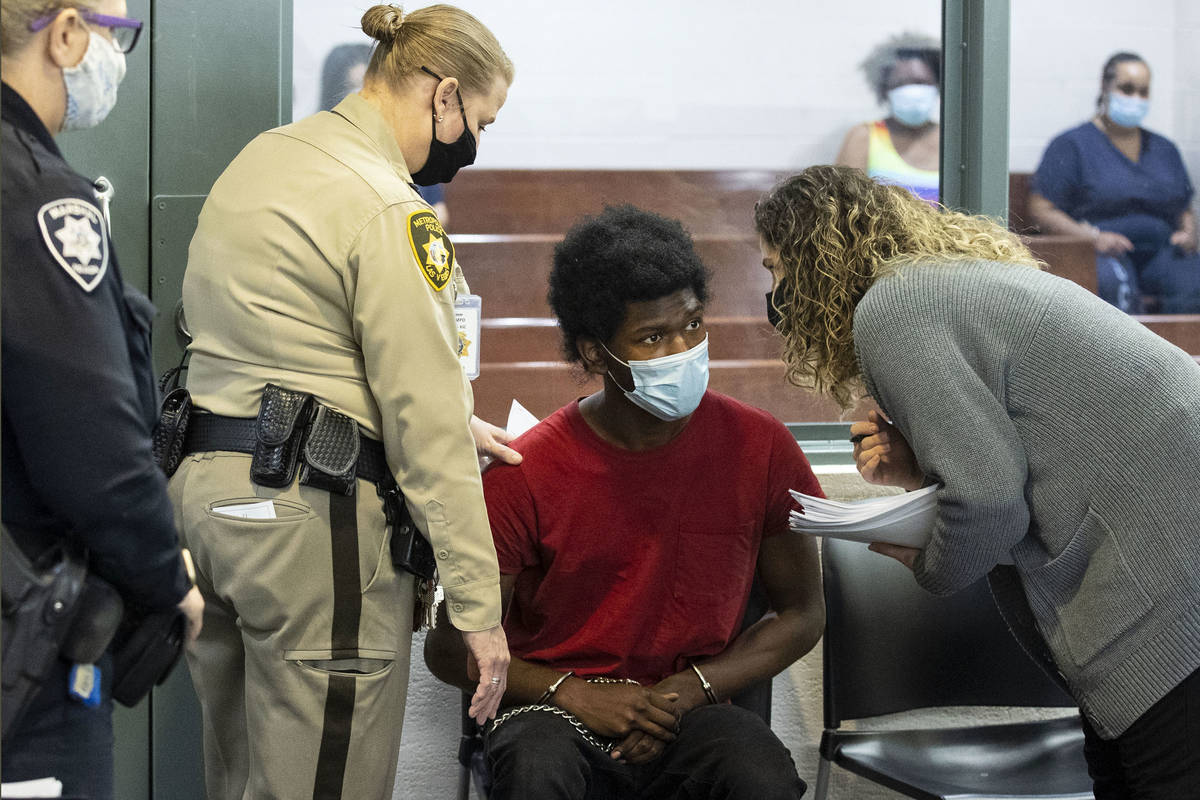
<point x="473" y="768"/>
<point x="891" y="647"/>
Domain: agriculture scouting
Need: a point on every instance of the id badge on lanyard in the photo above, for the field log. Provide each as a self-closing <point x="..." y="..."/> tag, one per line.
<point x="468" y="316"/>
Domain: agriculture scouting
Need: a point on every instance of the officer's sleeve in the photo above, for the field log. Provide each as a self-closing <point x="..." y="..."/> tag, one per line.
<point x="405" y="327"/>
<point x="71" y="400"/>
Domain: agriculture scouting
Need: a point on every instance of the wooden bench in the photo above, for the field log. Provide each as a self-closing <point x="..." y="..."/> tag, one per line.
<point x="506" y="223"/>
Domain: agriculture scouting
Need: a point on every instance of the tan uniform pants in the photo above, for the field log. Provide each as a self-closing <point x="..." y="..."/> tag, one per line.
<point x="302" y="666"/>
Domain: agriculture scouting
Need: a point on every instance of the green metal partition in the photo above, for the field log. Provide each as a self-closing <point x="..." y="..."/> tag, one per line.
<point x="975" y="36"/>
<point x="205" y="79"/>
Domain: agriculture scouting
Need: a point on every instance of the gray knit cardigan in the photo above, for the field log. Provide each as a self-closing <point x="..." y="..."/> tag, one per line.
<point x="1067" y="437"/>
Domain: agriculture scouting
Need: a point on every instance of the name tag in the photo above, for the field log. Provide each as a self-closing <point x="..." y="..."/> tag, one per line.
<point x="83" y="684"/>
<point x="468" y="316"/>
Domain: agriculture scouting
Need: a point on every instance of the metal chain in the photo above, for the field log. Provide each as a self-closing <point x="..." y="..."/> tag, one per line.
<point x="604" y="745"/>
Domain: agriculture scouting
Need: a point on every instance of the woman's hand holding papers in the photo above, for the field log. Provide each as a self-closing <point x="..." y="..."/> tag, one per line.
<point x="905" y="555"/>
<point x="882" y="455"/>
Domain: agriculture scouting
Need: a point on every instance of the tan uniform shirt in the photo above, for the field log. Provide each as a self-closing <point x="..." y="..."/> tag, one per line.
<point x="318" y="267"/>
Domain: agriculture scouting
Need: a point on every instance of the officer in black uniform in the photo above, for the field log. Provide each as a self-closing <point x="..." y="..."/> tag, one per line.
<point x="79" y="396"/>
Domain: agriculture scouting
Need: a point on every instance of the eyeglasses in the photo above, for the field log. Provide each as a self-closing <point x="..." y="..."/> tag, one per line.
<point x="125" y="32"/>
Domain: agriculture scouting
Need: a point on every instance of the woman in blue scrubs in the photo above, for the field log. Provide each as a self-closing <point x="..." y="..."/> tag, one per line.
<point x="1127" y="189"/>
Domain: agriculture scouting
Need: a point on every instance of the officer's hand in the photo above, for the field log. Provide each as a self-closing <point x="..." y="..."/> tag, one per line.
<point x="488" y="651"/>
<point x="490" y="443"/>
<point x="192" y="606"/>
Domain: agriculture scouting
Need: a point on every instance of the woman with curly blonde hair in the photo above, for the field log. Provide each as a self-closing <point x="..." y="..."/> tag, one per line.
<point x="830" y="232"/>
<point x="1054" y="424"/>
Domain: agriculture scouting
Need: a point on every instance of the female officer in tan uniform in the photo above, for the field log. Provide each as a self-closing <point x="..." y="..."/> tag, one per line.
<point x="320" y="292"/>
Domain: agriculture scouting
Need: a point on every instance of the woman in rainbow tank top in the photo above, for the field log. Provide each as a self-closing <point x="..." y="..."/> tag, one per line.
<point x="902" y="149"/>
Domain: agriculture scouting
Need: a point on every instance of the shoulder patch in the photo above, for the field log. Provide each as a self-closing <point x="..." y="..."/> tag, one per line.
<point x="431" y="247"/>
<point x="74" y="233"/>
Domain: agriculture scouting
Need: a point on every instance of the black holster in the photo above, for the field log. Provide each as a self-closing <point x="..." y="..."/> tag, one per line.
<point x="411" y="551"/>
<point x="173" y="414"/>
<point x="171" y="430"/>
<point x="145" y="650"/>
<point x="51" y="608"/>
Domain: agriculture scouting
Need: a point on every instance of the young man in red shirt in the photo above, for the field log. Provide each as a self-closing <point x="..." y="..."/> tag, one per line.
<point x="628" y="540"/>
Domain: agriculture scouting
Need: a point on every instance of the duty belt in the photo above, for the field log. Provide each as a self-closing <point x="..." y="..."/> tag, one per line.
<point x="208" y="432"/>
<point x="293" y="431"/>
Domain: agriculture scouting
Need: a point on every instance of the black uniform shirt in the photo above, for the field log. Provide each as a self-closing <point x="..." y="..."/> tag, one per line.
<point x="79" y="397"/>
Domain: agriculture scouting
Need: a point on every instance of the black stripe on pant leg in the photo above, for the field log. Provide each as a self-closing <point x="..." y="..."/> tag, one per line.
<point x="335" y="738"/>
<point x="347" y="592"/>
<point x="347" y="607"/>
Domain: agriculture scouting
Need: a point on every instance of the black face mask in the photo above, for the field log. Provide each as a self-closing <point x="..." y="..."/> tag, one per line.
<point x="776" y="299"/>
<point x="445" y="160"/>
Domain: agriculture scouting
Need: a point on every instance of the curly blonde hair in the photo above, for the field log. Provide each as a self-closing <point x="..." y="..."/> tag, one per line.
<point x="836" y="231"/>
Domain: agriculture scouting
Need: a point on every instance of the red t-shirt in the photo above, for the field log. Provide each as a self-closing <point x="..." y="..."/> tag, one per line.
<point x="629" y="564"/>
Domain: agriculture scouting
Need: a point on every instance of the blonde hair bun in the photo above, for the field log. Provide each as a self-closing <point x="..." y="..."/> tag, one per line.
<point x="383" y="22"/>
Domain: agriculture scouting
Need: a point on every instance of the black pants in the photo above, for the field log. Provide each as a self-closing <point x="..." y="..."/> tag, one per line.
<point x="1156" y="758"/>
<point x="723" y="752"/>
<point x="61" y="738"/>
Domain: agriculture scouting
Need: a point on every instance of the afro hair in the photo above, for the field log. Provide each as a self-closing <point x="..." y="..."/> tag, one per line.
<point x="621" y="256"/>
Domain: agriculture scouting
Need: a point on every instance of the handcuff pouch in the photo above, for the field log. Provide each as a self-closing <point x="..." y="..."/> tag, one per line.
<point x="171" y="429"/>
<point x="279" y="433"/>
<point x="330" y="454"/>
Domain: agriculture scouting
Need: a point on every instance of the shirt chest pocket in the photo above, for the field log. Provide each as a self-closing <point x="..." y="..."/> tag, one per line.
<point x="714" y="565"/>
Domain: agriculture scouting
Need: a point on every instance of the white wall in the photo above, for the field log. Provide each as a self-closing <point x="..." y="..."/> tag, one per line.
<point x="773" y="84"/>
<point x="1059" y="47"/>
<point x="665" y="83"/>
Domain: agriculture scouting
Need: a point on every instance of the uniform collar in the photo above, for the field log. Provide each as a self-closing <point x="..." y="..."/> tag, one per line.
<point x="20" y="114"/>
<point x="362" y="115"/>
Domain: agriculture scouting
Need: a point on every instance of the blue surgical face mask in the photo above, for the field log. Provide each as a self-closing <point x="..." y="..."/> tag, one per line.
<point x="92" y="84"/>
<point x="913" y="104"/>
<point x="669" y="387"/>
<point x="1127" y="111"/>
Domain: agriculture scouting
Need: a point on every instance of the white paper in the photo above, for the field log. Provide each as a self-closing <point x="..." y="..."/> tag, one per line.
<point x="42" y="787"/>
<point x="905" y="519"/>
<point x="264" y="509"/>
<point x="519" y="419"/>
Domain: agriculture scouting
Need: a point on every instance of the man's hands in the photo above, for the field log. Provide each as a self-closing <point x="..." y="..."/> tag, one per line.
<point x="491" y="443"/>
<point x="643" y="718"/>
<point x="883" y="456"/>
<point x="488" y="657"/>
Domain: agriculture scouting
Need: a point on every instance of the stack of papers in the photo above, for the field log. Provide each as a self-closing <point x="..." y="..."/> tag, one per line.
<point x="905" y="519"/>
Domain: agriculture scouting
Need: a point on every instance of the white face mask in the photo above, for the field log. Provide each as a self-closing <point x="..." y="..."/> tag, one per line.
<point x="669" y="387"/>
<point x="914" y="104"/>
<point x="92" y="84"/>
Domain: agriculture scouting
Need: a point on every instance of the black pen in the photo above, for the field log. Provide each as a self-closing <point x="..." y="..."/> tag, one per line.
<point x="858" y="437"/>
